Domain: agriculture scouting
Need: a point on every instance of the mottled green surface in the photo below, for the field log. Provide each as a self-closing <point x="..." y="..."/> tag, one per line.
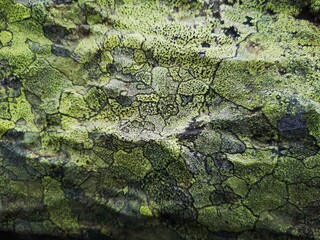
<point x="160" y="119"/>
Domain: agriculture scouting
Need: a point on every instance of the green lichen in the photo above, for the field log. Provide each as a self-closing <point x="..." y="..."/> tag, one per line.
<point x="20" y="109"/>
<point x="238" y="185"/>
<point x="252" y="165"/>
<point x="201" y="193"/>
<point x="5" y="38"/>
<point x="58" y="206"/>
<point x="14" y="12"/>
<point x="145" y="211"/>
<point x="74" y="105"/>
<point x="45" y="82"/>
<point x="301" y="195"/>
<point x="86" y="50"/>
<point x="227" y="218"/>
<point x="192" y="87"/>
<point x="5" y="126"/>
<point x="179" y="119"/>
<point x="4" y="110"/>
<point x="134" y="162"/>
<point x="294" y="171"/>
<point x="267" y="194"/>
<point x="112" y="41"/>
<point x="95" y="98"/>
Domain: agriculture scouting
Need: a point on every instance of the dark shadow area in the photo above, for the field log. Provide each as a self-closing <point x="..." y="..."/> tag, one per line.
<point x="306" y="14"/>
<point x="15" y="236"/>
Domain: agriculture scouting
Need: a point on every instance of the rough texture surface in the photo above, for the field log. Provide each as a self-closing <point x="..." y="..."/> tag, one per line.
<point x="160" y="119"/>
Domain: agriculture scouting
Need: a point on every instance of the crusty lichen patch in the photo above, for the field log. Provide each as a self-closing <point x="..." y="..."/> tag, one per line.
<point x="198" y="118"/>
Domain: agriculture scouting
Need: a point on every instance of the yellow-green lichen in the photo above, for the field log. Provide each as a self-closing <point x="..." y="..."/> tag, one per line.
<point x="86" y="50"/>
<point x="45" y="82"/>
<point x="231" y="218"/>
<point x="252" y="165"/>
<point x="14" y="12"/>
<point x="133" y="162"/>
<point x="301" y="195"/>
<point x="239" y="186"/>
<point x="145" y="211"/>
<point x="58" y="207"/>
<point x="5" y="125"/>
<point x="73" y="105"/>
<point x="193" y="87"/>
<point x="267" y="194"/>
<point x="5" y="38"/>
<point x="112" y="41"/>
<point x="20" y="108"/>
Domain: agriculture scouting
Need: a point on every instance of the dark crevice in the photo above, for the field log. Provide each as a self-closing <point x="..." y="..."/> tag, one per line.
<point x="306" y="14"/>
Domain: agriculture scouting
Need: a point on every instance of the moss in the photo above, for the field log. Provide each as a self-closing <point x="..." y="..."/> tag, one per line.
<point x="134" y="162"/>
<point x="230" y="218"/>
<point x="58" y="206"/>
<point x="267" y="194"/>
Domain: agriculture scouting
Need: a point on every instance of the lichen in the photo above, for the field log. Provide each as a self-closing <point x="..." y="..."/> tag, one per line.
<point x="5" y="126"/>
<point x="170" y="119"/>
<point x="145" y="211"/>
<point x="227" y="218"/>
<point x="58" y="206"/>
<point x="133" y="162"/>
<point x="74" y="105"/>
<point x="267" y="194"/>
